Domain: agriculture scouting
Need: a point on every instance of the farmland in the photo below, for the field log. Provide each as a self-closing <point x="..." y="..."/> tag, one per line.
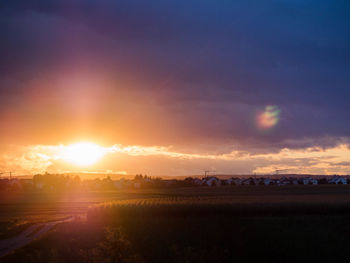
<point x="200" y="224"/>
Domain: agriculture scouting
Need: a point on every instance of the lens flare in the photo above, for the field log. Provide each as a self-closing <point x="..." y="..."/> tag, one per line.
<point x="268" y="118"/>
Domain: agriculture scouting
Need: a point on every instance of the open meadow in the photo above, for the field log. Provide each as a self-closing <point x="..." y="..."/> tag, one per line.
<point x="195" y="224"/>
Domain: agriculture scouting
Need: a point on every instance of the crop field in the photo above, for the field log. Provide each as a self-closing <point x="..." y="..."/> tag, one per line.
<point x="43" y="206"/>
<point x="222" y="224"/>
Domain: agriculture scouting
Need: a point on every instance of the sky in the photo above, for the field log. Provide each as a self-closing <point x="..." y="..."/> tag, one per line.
<point x="176" y="87"/>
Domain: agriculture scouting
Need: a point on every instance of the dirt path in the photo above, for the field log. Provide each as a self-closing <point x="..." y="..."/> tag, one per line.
<point x="27" y="236"/>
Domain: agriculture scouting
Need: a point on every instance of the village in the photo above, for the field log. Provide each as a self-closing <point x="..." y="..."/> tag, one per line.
<point x="59" y="182"/>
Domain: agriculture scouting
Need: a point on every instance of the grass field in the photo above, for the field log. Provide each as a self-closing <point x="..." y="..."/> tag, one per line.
<point x="225" y="224"/>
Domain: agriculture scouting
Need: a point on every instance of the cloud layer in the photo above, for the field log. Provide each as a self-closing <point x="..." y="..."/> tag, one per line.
<point x="192" y="74"/>
<point x="162" y="161"/>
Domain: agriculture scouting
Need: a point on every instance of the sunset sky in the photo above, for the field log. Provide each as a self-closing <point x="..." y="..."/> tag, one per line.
<point x="175" y="87"/>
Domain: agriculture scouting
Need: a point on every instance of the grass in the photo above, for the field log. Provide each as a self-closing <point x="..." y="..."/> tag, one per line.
<point x="197" y="229"/>
<point x="241" y="224"/>
<point x="12" y="228"/>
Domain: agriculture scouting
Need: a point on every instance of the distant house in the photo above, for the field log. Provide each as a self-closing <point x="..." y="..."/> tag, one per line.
<point x="305" y="181"/>
<point x="197" y="181"/>
<point x="309" y="180"/>
<point x="171" y="182"/>
<point x="128" y="183"/>
<point x="314" y="181"/>
<point x="295" y="181"/>
<point x="118" y="184"/>
<point x="39" y="185"/>
<point x="249" y="181"/>
<point x="137" y="185"/>
<point x="283" y="181"/>
<point x="147" y="179"/>
<point x="14" y="183"/>
<point x="256" y="181"/>
<point x="229" y="181"/>
<point x="266" y="181"/>
<point x="97" y="185"/>
<point x="211" y="181"/>
<point x="338" y="180"/>
<point x="237" y="181"/>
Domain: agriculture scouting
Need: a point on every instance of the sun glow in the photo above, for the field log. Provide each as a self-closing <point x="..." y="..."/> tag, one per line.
<point x="83" y="153"/>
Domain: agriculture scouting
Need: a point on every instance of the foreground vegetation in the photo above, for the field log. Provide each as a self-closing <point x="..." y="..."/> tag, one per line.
<point x="278" y="224"/>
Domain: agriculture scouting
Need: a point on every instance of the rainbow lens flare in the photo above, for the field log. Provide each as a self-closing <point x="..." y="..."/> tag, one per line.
<point x="268" y="118"/>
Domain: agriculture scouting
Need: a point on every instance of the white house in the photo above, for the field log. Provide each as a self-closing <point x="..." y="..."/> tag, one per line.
<point x="247" y="182"/>
<point x="197" y="181"/>
<point x="266" y="181"/>
<point x="229" y="181"/>
<point x="256" y="181"/>
<point x="314" y="181"/>
<point x="309" y="180"/>
<point x="283" y="181"/>
<point x="237" y="181"/>
<point x="338" y="180"/>
<point x="211" y="181"/>
<point x="295" y="181"/>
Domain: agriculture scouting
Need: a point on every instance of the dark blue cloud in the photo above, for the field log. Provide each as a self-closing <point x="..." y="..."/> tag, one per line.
<point x="208" y="66"/>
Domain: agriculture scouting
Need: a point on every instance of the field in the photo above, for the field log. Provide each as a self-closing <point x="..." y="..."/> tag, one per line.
<point x="222" y="224"/>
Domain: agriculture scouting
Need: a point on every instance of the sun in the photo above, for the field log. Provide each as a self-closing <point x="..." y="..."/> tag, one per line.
<point x="83" y="153"/>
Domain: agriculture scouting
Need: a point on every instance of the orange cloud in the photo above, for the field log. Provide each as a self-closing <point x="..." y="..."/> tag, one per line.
<point x="42" y="158"/>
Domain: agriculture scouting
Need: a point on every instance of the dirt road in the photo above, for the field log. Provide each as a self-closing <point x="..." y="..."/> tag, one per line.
<point x="27" y="236"/>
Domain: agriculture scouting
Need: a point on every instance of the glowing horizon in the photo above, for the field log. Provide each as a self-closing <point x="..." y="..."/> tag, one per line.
<point x="82" y="153"/>
<point x="156" y="160"/>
